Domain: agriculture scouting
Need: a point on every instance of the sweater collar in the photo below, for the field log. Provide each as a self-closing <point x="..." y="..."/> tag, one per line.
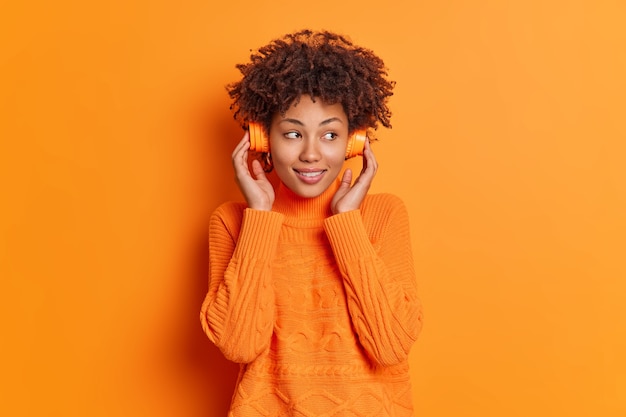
<point x="292" y="205"/>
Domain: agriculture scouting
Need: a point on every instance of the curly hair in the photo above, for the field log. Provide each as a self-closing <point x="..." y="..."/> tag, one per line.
<point x="323" y="65"/>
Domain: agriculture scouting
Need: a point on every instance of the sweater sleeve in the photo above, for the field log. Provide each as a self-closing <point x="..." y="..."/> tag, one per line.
<point x="377" y="266"/>
<point x="238" y="312"/>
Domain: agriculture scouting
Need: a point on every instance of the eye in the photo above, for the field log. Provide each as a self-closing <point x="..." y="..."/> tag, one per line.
<point x="330" y="136"/>
<point x="293" y="135"/>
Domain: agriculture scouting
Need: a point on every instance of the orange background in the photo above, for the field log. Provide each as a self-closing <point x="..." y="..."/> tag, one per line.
<point x="508" y="147"/>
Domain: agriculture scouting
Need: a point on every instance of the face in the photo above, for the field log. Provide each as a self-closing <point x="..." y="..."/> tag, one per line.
<point x="308" y="145"/>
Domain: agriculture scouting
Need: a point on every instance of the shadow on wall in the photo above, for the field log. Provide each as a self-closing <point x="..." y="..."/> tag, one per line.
<point x="213" y="378"/>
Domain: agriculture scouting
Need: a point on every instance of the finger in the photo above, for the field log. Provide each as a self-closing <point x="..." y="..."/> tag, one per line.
<point x="240" y="154"/>
<point x="258" y="171"/>
<point x="346" y="179"/>
<point x="244" y="143"/>
<point x="370" y="151"/>
<point x="365" y="179"/>
<point x="370" y="164"/>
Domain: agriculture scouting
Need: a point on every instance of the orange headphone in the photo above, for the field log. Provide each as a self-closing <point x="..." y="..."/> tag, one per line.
<point x="260" y="143"/>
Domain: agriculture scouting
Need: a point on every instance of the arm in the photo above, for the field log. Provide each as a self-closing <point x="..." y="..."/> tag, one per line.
<point x="238" y="311"/>
<point x="376" y="263"/>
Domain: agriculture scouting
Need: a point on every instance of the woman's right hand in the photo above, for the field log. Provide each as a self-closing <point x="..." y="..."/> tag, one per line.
<point x="256" y="188"/>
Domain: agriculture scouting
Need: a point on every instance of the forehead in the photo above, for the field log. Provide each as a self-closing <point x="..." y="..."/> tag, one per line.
<point x="307" y="107"/>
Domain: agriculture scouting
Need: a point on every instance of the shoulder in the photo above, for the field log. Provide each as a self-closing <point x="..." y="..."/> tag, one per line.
<point x="382" y="213"/>
<point x="230" y="208"/>
<point x="382" y="204"/>
<point x="230" y="214"/>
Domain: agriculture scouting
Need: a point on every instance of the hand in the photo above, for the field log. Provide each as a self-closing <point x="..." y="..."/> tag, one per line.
<point x="255" y="187"/>
<point x="349" y="198"/>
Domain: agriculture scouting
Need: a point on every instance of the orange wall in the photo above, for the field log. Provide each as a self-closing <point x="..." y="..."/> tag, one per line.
<point x="508" y="146"/>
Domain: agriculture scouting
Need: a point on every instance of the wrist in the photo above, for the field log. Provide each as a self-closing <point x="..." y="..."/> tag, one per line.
<point x="260" y="206"/>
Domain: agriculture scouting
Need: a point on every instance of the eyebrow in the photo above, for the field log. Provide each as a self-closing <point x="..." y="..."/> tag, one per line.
<point x="323" y="123"/>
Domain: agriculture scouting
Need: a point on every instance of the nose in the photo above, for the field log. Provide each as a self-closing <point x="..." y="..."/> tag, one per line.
<point x="310" y="151"/>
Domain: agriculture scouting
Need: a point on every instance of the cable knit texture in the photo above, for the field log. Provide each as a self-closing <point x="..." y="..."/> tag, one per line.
<point x="320" y="310"/>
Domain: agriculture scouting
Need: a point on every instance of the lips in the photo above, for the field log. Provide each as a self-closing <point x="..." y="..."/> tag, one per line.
<point x="310" y="176"/>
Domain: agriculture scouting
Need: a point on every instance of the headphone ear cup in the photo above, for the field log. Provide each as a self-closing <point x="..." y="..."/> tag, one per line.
<point x="356" y="143"/>
<point x="258" y="138"/>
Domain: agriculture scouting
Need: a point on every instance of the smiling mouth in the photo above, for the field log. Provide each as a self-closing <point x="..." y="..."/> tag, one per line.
<point x="310" y="174"/>
<point x="310" y="177"/>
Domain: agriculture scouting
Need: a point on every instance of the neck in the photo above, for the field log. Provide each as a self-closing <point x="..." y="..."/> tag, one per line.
<point x="293" y="205"/>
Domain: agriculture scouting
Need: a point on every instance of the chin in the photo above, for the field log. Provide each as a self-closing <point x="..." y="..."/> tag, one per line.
<point x="311" y="192"/>
<point x="308" y="191"/>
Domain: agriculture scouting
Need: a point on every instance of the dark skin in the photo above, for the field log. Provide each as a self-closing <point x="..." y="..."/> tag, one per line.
<point x="306" y="147"/>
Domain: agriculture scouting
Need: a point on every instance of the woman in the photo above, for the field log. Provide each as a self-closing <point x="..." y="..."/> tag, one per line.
<point x="312" y="286"/>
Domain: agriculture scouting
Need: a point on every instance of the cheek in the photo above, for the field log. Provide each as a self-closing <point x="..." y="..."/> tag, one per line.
<point x="281" y="166"/>
<point x="280" y="159"/>
<point x="337" y="155"/>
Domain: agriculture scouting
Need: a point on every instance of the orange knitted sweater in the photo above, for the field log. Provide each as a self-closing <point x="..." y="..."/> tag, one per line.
<point x="321" y="310"/>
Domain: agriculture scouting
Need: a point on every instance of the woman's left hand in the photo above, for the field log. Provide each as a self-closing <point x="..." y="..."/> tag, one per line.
<point x="348" y="197"/>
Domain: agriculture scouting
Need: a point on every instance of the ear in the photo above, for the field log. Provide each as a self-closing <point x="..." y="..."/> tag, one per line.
<point x="356" y="143"/>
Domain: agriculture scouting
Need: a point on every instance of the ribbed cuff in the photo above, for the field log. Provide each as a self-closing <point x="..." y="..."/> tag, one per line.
<point x="259" y="233"/>
<point x="348" y="237"/>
